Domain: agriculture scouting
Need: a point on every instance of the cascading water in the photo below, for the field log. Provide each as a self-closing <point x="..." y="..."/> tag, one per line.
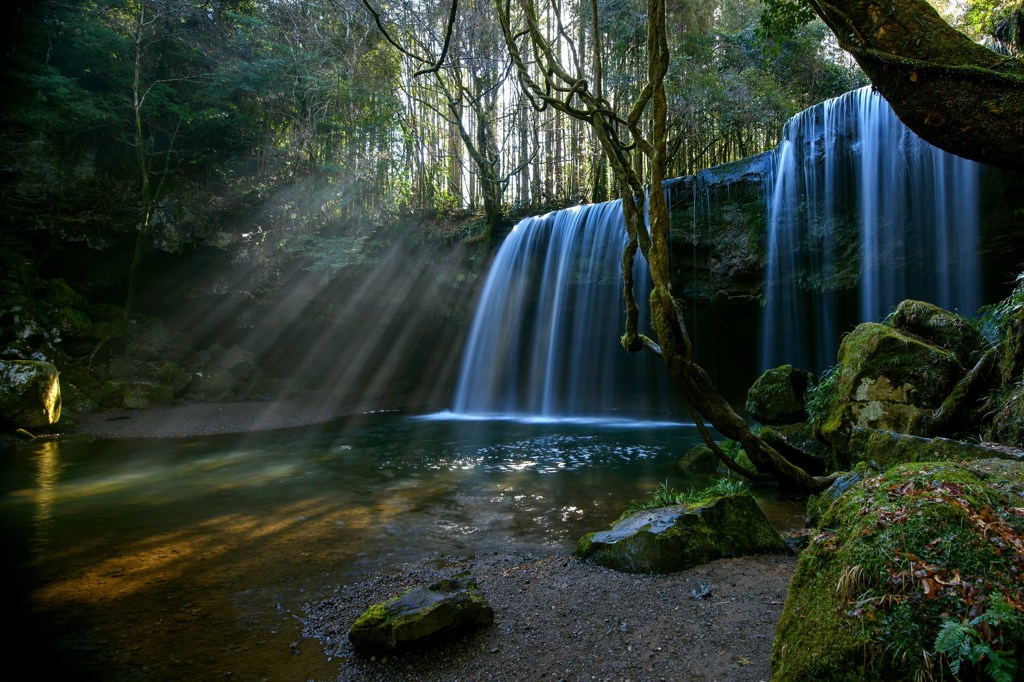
<point x="545" y="336"/>
<point x="860" y="202"/>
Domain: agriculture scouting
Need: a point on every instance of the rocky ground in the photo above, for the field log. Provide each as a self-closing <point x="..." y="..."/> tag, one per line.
<point x="557" y="618"/>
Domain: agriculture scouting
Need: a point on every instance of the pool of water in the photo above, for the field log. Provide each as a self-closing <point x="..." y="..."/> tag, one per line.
<point x="191" y="558"/>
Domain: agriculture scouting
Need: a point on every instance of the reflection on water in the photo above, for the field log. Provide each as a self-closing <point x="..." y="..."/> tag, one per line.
<point x="206" y="547"/>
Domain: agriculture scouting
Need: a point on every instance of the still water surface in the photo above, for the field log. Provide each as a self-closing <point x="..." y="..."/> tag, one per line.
<point x="191" y="558"/>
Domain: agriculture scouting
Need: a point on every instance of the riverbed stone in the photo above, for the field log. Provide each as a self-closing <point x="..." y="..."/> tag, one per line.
<point x="669" y="539"/>
<point x="447" y="609"/>
<point x="884" y="379"/>
<point x="778" y="396"/>
<point x="896" y="557"/>
<point x="29" y="393"/>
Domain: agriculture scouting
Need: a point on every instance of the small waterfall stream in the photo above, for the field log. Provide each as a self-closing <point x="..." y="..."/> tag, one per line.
<point x="860" y="204"/>
<point x="545" y="336"/>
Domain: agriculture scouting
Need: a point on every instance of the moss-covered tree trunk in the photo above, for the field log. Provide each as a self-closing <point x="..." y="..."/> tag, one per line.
<point x="956" y="94"/>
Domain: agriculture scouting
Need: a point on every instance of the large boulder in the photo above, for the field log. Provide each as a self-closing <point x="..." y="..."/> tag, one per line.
<point x="883" y="380"/>
<point x="778" y="396"/>
<point x="29" y="393"/>
<point x="899" y="558"/>
<point x="444" y="610"/>
<point x="668" y="539"/>
<point x="940" y="328"/>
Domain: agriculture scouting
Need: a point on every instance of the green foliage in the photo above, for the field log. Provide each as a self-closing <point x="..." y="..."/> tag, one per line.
<point x="995" y="318"/>
<point x="906" y="563"/>
<point x="665" y="495"/>
<point x="780" y="19"/>
<point x="821" y="396"/>
<point x="963" y="642"/>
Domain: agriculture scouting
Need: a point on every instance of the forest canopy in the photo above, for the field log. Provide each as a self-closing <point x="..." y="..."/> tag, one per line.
<point x="298" y="120"/>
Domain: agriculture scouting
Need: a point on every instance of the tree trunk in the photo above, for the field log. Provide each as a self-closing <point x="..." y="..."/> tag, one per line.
<point x="955" y="94"/>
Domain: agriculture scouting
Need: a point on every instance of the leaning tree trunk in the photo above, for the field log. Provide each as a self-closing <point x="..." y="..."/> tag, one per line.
<point x="954" y="93"/>
<point x="673" y="341"/>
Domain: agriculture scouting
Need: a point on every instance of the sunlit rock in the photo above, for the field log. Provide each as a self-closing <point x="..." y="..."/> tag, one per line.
<point x="669" y="539"/>
<point x="778" y="396"/>
<point x="899" y="558"/>
<point x="29" y="393"/>
<point x="444" y="610"/>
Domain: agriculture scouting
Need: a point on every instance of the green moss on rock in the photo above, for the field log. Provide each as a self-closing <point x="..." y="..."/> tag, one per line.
<point x="896" y="558"/>
<point x="940" y="328"/>
<point x="699" y="458"/>
<point x="884" y="378"/>
<point x="669" y="539"/>
<point x="778" y="396"/>
<point x="885" y="449"/>
<point x="421" y="615"/>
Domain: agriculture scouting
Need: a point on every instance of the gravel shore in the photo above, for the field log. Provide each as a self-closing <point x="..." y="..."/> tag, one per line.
<point x="557" y="618"/>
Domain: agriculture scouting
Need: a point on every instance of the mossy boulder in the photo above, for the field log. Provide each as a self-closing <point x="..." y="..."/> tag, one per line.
<point x="700" y="458"/>
<point x="444" y="610"/>
<point x="885" y="449"/>
<point x="900" y="557"/>
<point x="141" y="395"/>
<point x="778" y="396"/>
<point x="940" y="328"/>
<point x="669" y="539"/>
<point x="29" y="394"/>
<point x="883" y="380"/>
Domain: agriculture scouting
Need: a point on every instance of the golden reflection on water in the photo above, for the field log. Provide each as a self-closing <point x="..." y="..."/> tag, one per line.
<point x="47" y="474"/>
<point x="252" y="540"/>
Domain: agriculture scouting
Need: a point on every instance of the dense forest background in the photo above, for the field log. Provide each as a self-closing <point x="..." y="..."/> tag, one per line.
<point x="295" y="122"/>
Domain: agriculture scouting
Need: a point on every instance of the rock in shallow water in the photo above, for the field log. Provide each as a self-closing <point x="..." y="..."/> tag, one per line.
<point x="669" y="539"/>
<point x="444" y="610"/>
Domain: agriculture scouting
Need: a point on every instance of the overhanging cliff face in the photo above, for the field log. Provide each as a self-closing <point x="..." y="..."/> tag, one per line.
<point x="718" y="227"/>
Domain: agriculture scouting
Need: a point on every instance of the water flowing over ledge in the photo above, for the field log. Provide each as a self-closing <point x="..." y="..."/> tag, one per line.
<point x="854" y="213"/>
<point x="544" y="339"/>
<point x="849" y="173"/>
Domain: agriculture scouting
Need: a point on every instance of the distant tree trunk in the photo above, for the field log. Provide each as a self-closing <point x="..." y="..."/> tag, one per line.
<point x="956" y="94"/>
<point x="455" y="155"/>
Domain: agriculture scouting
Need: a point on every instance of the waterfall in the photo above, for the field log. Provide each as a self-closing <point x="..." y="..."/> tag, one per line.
<point x="545" y="336"/>
<point x="860" y="204"/>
